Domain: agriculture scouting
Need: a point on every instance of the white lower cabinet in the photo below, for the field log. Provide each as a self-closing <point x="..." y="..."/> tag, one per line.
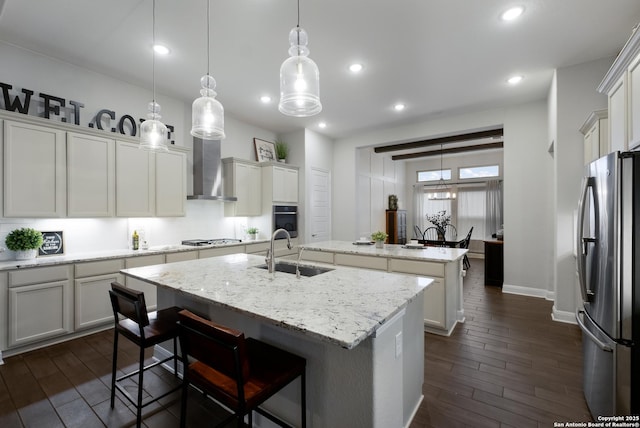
<point x="222" y="251"/>
<point x="259" y="248"/>
<point x="150" y="291"/>
<point x="435" y="309"/>
<point x="40" y="304"/>
<point x="91" y="288"/>
<point x="182" y="256"/>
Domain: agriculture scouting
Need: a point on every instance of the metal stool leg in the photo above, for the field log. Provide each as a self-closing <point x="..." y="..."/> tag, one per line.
<point x="114" y="367"/>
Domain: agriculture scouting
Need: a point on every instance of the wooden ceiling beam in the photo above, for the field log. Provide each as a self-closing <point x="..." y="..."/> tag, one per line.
<point x="440" y="140"/>
<point x="486" y="146"/>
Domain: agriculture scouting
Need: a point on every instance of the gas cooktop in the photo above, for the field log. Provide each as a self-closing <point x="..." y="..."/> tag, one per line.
<point x="201" y="242"/>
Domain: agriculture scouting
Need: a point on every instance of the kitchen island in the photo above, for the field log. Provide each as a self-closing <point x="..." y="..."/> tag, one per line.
<point x="359" y="330"/>
<point x="443" y="303"/>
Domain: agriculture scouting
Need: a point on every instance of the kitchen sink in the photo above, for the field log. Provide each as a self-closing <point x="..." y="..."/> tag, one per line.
<point x="305" y="270"/>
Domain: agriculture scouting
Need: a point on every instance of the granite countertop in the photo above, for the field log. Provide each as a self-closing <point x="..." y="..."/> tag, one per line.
<point x="343" y="306"/>
<point x="43" y="261"/>
<point x="433" y="254"/>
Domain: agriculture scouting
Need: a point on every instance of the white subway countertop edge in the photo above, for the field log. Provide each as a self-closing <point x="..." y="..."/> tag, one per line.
<point x="43" y="261"/>
<point x="434" y="254"/>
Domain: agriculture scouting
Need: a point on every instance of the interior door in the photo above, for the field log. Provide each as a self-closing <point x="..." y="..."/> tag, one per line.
<point x="319" y="206"/>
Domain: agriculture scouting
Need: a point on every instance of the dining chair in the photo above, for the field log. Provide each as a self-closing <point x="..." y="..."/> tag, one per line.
<point x="430" y="234"/>
<point x="145" y="330"/>
<point x="465" y="261"/>
<point x="240" y="373"/>
<point x="450" y="233"/>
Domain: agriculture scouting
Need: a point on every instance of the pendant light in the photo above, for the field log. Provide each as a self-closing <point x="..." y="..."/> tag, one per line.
<point x="207" y="114"/>
<point x="299" y="78"/>
<point x="153" y="133"/>
<point x="441" y="192"/>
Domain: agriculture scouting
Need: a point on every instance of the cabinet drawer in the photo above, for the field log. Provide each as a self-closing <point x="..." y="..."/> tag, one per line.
<point x="258" y="248"/>
<point x="98" y="268"/>
<point x="417" y="267"/>
<point x="132" y="262"/>
<point x="19" y="278"/>
<point x="366" y="262"/>
<point x="182" y="256"/>
<point x="213" y="252"/>
<point x="318" y="256"/>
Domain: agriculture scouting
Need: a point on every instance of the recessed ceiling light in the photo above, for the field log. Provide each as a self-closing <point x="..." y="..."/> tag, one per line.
<point x="514" y="80"/>
<point x="512" y="13"/>
<point x="356" y="68"/>
<point x="399" y="107"/>
<point x="322" y="125"/>
<point x="266" y="99"/>
<point x="161" y="49"/>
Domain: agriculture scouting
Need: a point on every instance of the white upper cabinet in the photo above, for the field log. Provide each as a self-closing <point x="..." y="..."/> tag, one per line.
<point x="622" y="85"/>
<point x="242" y="180"/>
<point x="171" y="184"/>
<point x="135" y="181"/>
<point x="34" y="170"/>
<point x="285" y="184"/>
<point x="596" y="136"/>
<point x="90" y="176"/>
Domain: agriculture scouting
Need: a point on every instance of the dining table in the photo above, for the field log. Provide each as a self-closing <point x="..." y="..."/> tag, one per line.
<point x="456" y="243"/>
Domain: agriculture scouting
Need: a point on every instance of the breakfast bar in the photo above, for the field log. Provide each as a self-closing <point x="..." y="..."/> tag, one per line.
<point x="359" y="330"/>
<point x="443" y="303"/>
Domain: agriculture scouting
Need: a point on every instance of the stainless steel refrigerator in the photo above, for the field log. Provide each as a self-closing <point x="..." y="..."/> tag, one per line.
<point x="608" y="263"/>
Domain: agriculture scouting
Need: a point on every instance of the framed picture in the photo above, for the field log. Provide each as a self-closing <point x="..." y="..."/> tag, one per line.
<point x="52" y="244"/>
<point x="265" y="150"/>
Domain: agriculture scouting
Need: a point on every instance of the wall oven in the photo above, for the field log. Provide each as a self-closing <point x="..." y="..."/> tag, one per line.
<point x="285" y="217"/>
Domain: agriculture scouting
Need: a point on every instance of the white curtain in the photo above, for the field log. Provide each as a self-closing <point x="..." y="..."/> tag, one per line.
<point x="418" y="210"/>
<point x="494" y="207"/>
<point x="471" y="211"/>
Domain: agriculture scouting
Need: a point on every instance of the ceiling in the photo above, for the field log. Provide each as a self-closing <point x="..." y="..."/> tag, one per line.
<point x="438" y="57"/>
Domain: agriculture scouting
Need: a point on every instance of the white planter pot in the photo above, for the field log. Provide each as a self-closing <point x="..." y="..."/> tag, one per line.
<point x="26" y="254"/>
<point x="253" y="236"/>
<point x="379" y="244"/>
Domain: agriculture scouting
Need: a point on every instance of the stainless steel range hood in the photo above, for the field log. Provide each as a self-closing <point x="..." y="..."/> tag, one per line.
<point x="207" y="171"/>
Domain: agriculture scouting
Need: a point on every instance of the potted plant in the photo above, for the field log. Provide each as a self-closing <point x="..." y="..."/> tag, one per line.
<point x="440" y="220"/>
<point x="253" y="233"/>
<point x="282" y="151"/>
<point x="25" y="242"/>
<point x="379" y="237"/>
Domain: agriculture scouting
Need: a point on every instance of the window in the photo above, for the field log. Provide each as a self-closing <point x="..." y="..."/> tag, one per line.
<point x="471" y="211"/>
<point x="479" y="172"/>
<point x="435" y="175"/>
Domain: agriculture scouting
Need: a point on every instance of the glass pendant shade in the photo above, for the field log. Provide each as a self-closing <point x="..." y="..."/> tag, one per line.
<point x="153" y="133"/>
<point x="207" y="113"/>
<point x="299" y="79"/>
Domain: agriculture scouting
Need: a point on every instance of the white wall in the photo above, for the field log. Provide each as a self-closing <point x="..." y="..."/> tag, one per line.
<point x="576" y="99"/>
<point x="528" y="214"/>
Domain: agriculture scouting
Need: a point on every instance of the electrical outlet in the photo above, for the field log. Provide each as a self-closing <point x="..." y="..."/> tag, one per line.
<point x="398" y="344"/>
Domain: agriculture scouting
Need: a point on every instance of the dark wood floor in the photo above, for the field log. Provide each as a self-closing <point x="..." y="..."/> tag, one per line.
<point x="508" y="365"/>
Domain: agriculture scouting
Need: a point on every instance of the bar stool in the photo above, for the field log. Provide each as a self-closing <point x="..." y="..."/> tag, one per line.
<point x="239" y="373"/>
<point x="145" y="330"/>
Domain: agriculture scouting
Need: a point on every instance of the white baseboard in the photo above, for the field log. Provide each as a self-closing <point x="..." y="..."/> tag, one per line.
<point x="563" y="316"/>
<point x="415" y="410"/>
<point x="524" y="291"/>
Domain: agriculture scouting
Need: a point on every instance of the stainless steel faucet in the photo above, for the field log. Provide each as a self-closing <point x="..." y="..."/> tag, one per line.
<point x="271" y="260"/>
